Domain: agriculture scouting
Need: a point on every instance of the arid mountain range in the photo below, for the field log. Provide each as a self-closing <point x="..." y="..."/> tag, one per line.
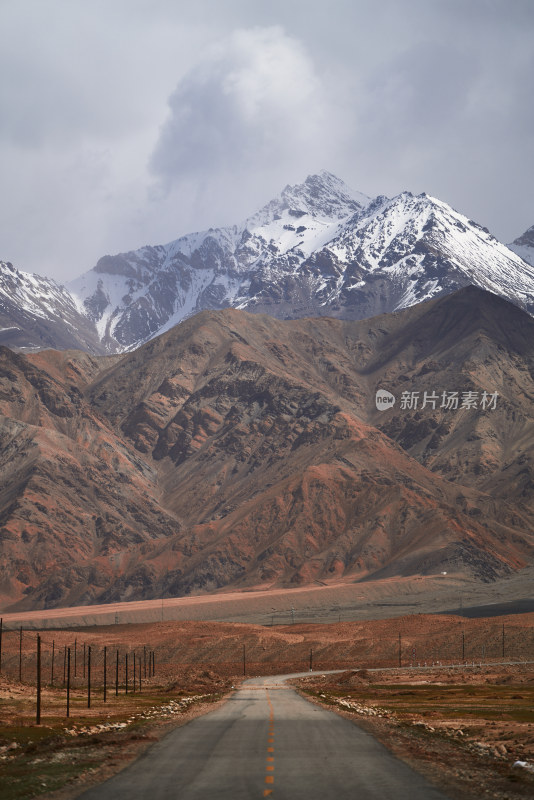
<point x="238" y="451"/>
<point x="318" y="249"/>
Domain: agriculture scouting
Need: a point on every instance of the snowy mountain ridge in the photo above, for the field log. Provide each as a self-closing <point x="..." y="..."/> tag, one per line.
<point x="37" y="312"/>
<point x="319" y="249"/>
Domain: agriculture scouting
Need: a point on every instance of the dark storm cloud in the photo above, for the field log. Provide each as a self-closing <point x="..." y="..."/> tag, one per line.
<point x="126" y="123"/>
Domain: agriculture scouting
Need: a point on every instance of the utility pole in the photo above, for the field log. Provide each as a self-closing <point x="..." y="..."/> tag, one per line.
<point x="68" y="681"/>
<point x="244" y="660"/>
<point x="89" y="677"/>
<point x="105" y="673"/>
<point x="38" y="714"/>
<point x="20" y="655"/>
<point x="52" y="667"/>
<point x="311" y="660"/>
<point x="400" y="651"/>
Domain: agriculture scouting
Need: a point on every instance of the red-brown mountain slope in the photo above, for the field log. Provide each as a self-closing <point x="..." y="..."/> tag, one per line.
<point x="239" y="450"/>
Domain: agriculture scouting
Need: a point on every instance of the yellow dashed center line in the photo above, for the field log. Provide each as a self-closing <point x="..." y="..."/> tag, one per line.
<point x="269" y="779"/>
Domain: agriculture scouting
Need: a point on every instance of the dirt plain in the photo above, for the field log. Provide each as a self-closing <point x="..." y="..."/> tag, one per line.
<point x="455" y="709"/>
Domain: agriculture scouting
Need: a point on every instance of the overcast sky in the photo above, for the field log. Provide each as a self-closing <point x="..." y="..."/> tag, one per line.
<point x="125" y="122"/>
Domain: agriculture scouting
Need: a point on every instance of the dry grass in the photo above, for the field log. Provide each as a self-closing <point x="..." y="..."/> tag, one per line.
<point x="65" y="753"/>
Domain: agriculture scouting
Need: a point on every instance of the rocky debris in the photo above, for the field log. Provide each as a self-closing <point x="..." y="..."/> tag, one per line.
<point x="165" y="711"/>
<point x="8" y="750"/>
<point x="366" y="711"/>
<point x="523" y="765"/>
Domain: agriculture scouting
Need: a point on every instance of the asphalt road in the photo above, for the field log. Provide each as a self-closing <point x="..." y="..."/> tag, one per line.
<point x="267" y="741"/>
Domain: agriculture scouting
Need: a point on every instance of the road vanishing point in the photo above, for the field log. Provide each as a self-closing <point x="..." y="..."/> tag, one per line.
<point x="267" y="741"/>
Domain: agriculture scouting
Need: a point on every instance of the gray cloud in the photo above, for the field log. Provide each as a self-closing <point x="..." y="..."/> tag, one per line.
<point x="134" y="122"/>
<point x="251" y="114"/>
<point x="254" y="97"/>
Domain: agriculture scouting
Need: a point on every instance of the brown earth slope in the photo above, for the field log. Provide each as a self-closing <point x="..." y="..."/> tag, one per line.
<point x="238" y="450"/>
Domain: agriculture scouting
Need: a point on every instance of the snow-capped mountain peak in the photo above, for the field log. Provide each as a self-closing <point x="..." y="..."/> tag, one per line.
<point x="324" y="195"/>
<point x="318" y="249"/>
<point x="153" y="288"/>
<point x="321" y="196"/>
<point x="416" y="247"/>
<point x="524" y="245"/>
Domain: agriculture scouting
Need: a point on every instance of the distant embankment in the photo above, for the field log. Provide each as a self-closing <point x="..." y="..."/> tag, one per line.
<point x="342" y="602"/>
<point x="333" y="603"/>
